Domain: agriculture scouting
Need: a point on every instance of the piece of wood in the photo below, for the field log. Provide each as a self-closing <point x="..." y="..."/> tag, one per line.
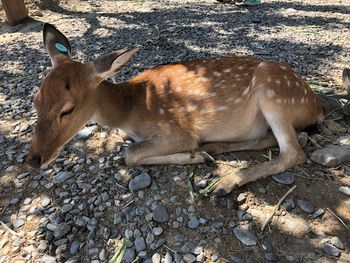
<point x="15" y="11"/>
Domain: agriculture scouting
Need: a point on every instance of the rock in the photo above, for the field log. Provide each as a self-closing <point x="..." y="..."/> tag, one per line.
<point x="157" y="231"/>
<point x="168" y="258"/>
<point x="331" y="250"/>
<point x="335" y="241"/>
<point x="140" y="182"/>
<point x="189" y="258"/>
<point x="271" y="257"/>
<point x="245" y="236"/>
<point x="129" y="255"/>
<point x="160" y="214"/>
<point x="18" y="223"/>
<point x="241" y="198"/>
<point x="286" y="178"/>
<point x="74" y="247"/>
<point x="140" y="244"/>
<point x="318" y="213"/>
<point x="156" y="258"/>
<point x="345" y="190"/>
<point x="331" y="155"/>
<point x="193" y="223"/>
<point x="303" y="139"/>
<point x="103" y="255"/>
<point x="306" y="206"/>
<point x="66" y="208"/>
<point x="48" y="259"/>
<point x="289" y="204"/>
<point x="45" y="201"/>
<point x="61" y="177"/>
<point x="290" y="258"/>
<point x="86" y="132"/>
<point x="62" y="230"/>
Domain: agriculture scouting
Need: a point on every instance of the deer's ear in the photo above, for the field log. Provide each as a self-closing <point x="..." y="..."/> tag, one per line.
<point x="109" y="64"/>
<point x="56" y="44"/>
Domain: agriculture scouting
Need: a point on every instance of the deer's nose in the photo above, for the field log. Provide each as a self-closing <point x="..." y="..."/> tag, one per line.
<point x="34" y="160"/>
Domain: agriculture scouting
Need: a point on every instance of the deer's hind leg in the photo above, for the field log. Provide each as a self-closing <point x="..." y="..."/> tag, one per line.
<point x="291" y="153"/>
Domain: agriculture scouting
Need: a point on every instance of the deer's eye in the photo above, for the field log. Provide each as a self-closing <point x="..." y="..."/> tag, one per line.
<point x="67" y="112"/>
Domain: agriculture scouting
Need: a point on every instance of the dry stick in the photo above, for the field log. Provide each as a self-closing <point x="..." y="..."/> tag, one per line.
<point x="314" y="143"/>
<point x="9" y="229"/>
<point x="267" y="220"/>
<point x="341" y="221"/>
<point x="172" y="250"/>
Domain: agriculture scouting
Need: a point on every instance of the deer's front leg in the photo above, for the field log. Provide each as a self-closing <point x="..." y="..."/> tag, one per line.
<point x="158" y="150"/>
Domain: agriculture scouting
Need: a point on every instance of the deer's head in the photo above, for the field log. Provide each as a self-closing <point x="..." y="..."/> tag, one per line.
<point x="65" y="100"/>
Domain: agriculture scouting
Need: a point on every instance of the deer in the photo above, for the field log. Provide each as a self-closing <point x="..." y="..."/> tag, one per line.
<point x="177" y="114"/>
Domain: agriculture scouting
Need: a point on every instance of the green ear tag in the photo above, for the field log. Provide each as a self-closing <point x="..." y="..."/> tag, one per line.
<point x="61" y="48"/>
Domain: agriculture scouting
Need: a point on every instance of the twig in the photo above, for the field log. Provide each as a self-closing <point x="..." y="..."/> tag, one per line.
<point x="327" y="255"/>
<point x="267" y="220"/>
<point x="314" y="142"/>
<point x="331" y="112"/>
<point x="341" y="221"/>
<point x="225" y="163"/>
<point x="9" y="229"/>
<point x="304" y="172"/>
<point x="172" y="250"/>
<point x="121" y="186"/>
<point x="128" y="204"/>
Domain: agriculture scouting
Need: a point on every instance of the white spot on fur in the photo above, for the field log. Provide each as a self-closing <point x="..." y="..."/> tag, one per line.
<point x="222" y="108"/>
<point x="283" y="67"/>
<point x="246" y="74"/>
<point x="285" y="101"/>
<point x="230" y="99"/>
<point x="279" y="101"/>
<point x="269" y="79"/>
<point x="161" y="111"/>
<point x="293" y="101"/>
<point x="245" y="92"/>
<point x="181" y="109"/>
<point x="278" y="81"/>
<point x="217" y="74"/>
<point x="203" y="79"/>
<point x="302" y="100"/>
<point x="178" y="89"/>
<point x="297" y="83"/>
<point x="212" y="94"/>
<point x="241" y="67"/>
<point x="270" y="93"/>
<point x="237" y="100"/>
<point x="305" y="91"/>
<point x="228" y="70"/>
<point x="288" y="83"/>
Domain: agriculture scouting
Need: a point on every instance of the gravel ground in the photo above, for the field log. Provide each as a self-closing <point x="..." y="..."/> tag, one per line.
<point x="80" y="208"/>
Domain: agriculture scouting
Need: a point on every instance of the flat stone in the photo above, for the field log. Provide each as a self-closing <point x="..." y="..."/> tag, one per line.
<point x="271" y="257"/>
<point x="18" y="223"/>
<point x="286" y="178"/>
<point x="245" y="236"/>
<point x="45" y="201"/>
<point x="193" y="223"/>
<point x="48" y="259"/>
<point x="331" y="155"/>
<point x="140" y="244"/>
<point x="140" y="182"/>
<point x="318" y="213"/>
<point x="345" y="190"/>
<point x="86" y="132"/>
<point x="74" y="247"/>
<point x="331" y="250"/>
<point x="189" y="258"/>
<point x="129" y="255"/>
<point x="241" y="198"/>
<point x="306" y="206"/>
<point x="103" y="255"/>
<point x="157" y="231"/>
<point x="61" y="177"/>
<point x="66" y="208"/>
<point x="160" y="214"/>
<point x="335" y="241"/>
<point x="156" y="258"/>
<point x="289" y="204"/>
<point x="168" y="258"/>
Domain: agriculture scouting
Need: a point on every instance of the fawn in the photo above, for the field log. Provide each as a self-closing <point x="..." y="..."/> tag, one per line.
<point x="177" y="113"/>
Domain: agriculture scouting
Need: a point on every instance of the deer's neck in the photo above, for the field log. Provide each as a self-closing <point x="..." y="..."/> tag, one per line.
<point x="117" y="104"/>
